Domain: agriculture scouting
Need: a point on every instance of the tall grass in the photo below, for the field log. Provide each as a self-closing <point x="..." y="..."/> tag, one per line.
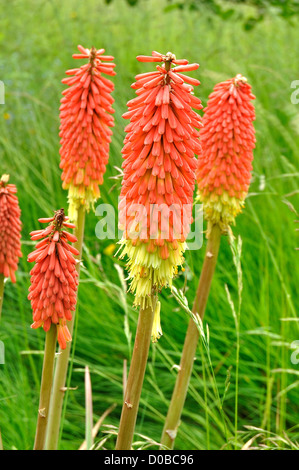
<point x="37" y="40"/>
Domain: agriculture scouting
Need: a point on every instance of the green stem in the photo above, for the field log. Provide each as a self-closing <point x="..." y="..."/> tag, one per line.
<point x="205" y="393"/>
<point x="46" y="386"/>
<point x="1" y="303"/>
<point x="191" y="341"/>
<point x="237" y="384"/>
<point x="136" y="377"/>
<point x="88" y="410"/>
<point x="1" y="292"/>
<point x="63" y="358"/>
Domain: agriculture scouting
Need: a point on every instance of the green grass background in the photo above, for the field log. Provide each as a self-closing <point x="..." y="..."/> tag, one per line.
<point x="37" y="40"/>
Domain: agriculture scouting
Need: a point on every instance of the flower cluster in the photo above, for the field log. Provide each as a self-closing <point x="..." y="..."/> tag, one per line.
<point x="159" y="166"/>
<point x="228" y="140"/>
<point x="54" y="278"/>
<point x="10" y="229"/>
<point x="85" y="127"/>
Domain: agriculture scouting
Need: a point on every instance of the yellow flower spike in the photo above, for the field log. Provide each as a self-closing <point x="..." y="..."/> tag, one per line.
<point x="149" y="269"/>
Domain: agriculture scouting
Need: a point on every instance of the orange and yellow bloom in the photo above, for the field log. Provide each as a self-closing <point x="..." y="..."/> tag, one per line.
<point x="85" y="122"/>
<point x="227" y="140"/>
<point x="10" y="229"/>
<point x="54" y="278"/>
<point x="155" y="209"/>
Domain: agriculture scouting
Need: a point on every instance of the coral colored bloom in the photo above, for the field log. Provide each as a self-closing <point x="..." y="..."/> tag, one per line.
<point x="159" y="165"/>
<point x="227" y="140"/>
<point x="85" y="128"/>
<point x="54" y="278"/>
<point x="10" y="229"/>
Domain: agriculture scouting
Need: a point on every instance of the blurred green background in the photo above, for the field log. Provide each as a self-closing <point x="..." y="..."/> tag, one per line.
<point x="37" y="40"/>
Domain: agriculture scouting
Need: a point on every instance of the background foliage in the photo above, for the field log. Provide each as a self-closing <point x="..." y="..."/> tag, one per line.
<point x="251" y="11"/>
<point x="37" y="39"/>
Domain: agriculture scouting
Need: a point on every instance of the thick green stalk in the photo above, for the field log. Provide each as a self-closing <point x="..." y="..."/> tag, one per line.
<point x="191" y="340"/>
<point x="45" y="390"/>
<point x="63" y="358"/>
<point x="1" y="292"/>
<point x="136" y="377"/>
<point x="88" y="410"/>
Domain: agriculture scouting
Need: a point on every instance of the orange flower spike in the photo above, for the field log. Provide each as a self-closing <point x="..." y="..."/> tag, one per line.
<point x="85" y="122"/>
<point x="10" y="229"/>
<point x="227" y="139"/>
<point x="159" y="173"/>
<point x="54" y="278"/>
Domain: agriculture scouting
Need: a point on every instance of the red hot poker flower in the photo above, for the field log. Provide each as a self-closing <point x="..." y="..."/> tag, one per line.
<point x="159" y="172"/>
<point x="10" y="229"/>
<point x="54" y="278"/>
<point x="85" y="127"/>
<point x="228" y="140"/>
